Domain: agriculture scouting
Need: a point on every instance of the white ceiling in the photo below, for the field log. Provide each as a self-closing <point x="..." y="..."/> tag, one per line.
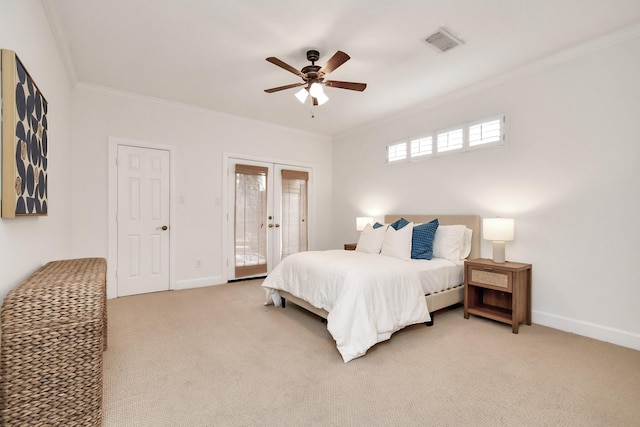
<point x="211" y="54"/>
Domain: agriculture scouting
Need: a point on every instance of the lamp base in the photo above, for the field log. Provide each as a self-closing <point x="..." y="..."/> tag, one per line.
<point x="498" y="252"/>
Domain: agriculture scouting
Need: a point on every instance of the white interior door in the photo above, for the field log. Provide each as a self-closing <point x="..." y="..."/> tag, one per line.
<point x="143" y="220"/>
<point x="268" y="216"/>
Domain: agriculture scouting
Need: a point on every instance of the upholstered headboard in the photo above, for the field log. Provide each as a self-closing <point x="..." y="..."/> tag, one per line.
<point x="471" y="221"/>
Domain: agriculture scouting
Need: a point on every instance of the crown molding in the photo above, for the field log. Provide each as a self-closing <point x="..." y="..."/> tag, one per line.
<point x="61" y="39"/>
<point x="151" y="100"/>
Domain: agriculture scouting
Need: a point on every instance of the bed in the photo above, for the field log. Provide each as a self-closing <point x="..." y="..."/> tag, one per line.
<point x="366" y="297"/>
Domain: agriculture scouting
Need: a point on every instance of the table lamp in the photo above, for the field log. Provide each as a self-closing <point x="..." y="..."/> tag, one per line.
<point x="362" y="221"/>
<point x="498" y="230"/>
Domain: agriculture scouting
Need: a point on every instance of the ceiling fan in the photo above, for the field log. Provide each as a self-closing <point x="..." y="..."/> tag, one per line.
<point x="313" y="77"/>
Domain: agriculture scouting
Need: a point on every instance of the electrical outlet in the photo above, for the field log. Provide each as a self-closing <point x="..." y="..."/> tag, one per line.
<point x="198" y="263"/>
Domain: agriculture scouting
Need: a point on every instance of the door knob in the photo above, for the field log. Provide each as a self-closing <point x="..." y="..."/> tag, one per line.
<point x="277" y="225"/>
<point x="270" y="225"/>
<point x="163" y="228"/>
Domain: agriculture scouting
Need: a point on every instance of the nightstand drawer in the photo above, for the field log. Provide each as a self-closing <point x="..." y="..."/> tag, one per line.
<point x="491" y="278"/>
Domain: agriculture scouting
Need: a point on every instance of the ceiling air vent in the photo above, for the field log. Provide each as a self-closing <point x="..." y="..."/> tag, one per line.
<point x="443" y="40"/>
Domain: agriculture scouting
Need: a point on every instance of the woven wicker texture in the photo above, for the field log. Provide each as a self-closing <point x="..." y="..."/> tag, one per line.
<point x="53" y="336"/>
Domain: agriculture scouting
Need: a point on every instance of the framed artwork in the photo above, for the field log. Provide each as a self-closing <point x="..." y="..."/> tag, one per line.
<point x="24" y="141"/>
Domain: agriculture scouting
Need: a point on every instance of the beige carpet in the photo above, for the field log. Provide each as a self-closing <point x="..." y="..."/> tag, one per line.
<point x="217" y="357"/>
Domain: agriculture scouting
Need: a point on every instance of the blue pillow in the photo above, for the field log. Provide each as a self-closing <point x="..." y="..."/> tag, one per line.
<point x="399" y="224"/>
<point x="377" y="225"/>
<point x="422" y="240"/>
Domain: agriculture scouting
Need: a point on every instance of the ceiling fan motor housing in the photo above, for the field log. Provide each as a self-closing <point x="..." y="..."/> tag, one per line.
<point x="311" y="71"/>
<point x="313" y="55"/>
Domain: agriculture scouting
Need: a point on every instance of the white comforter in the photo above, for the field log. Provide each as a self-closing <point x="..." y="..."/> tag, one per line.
<point x="368" y="297"/>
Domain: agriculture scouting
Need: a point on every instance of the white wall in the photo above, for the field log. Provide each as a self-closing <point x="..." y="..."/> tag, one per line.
<point x="570" y="176"/>
<point x="27" y="243"/>
<point x="201" y="138"/>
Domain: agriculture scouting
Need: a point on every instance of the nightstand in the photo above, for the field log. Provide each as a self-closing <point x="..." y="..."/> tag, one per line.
<point x="500" y="292"/>
<point x="350" y="246"/>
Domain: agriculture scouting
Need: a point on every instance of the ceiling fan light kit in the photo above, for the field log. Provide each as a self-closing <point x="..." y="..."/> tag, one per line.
<point x="302" y="95"/>
<point x="321" y="98"/>
<point x="313" y="77"/>
<point x="315" y="90"/>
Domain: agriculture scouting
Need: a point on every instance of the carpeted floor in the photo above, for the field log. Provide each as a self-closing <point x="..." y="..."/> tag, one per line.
<point x="217" y="357"/>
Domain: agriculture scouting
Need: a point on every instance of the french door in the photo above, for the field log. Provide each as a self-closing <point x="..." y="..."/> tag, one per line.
<point x="269" y="215"/>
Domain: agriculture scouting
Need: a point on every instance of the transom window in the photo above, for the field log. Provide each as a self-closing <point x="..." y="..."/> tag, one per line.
<point x="421" y="147"/>
<point x="396" y="152"/>
<point x="450" y="140"/>
<point x="467" y="136"/>
<point x="485" y="132"/>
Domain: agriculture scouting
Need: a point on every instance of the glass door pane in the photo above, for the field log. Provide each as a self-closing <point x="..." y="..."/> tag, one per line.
<point x="294" y="212"/>
<point x="251" y="204"/>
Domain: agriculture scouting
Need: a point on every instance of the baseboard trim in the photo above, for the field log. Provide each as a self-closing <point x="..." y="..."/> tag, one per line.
<point x="200" y="283"/>
<point x="587" y="329"/>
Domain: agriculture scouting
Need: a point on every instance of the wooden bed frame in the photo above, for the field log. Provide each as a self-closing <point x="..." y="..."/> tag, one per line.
<point x="435" y="301"/>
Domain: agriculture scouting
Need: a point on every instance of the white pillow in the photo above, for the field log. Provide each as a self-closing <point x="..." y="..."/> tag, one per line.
<point x="448" y="241"/>
<point x="370" y="240"/>
<point x="397" y="243"/>
<point x="466" y="243"/>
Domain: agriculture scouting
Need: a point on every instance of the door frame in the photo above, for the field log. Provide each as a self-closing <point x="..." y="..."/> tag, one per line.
<point x="227" y="214"/>
<point x="112" y="205"/>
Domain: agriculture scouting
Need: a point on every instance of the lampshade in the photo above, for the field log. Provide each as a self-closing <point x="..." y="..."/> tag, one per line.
<point x="302" y="95"/>
<point x="322" y="98"/>
<point x="498" y="230"/>
<point x="315" y="90"/>
<point x="362" y="221"/>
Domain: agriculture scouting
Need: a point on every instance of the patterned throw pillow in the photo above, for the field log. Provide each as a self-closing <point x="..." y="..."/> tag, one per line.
<point x="422" y="240"/>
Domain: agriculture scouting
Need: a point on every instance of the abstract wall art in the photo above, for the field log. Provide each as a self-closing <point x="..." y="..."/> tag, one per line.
<point x="24" y="141"/>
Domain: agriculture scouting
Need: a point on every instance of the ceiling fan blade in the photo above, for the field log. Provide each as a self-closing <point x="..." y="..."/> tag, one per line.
<point x="346" y="85"/>
<point x="315" y="101"/>
<point x="279" y="63"/>
<point x="279" y="88"/>
<point x="336" y="60"/>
